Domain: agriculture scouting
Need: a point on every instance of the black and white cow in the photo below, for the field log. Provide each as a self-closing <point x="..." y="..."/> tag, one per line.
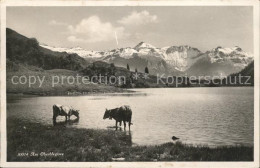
<point x="123" y="113"/>
<point x="60" y="110"/>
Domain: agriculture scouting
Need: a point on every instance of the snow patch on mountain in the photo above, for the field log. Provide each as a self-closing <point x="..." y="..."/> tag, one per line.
<point x="234" y="54"/>
<point x="78" y="50"/>
<point x="180" y="57"/>
<point x="143" y="45"/>
<point x="124" y="52"/>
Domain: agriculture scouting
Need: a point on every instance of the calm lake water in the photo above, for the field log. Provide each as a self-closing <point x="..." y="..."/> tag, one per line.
<point x="205" y="116"/>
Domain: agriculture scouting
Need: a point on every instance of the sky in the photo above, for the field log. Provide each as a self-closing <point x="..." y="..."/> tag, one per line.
<point x="103" y="28"/>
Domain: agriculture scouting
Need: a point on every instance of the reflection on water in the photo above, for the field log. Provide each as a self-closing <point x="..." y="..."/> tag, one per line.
<point x="207" y="116"/>
<point x="66" y="122"/>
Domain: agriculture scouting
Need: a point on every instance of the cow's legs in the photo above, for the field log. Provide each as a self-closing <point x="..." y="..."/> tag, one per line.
<point x="54" y="118"/>
<point x="116" y="124"/>
<point x="120" y="123"/>
<point x="66" y="117"/>
<point x="129" y="124"/>
<point x="124" y="125"/>
<point x="69" y="117"/>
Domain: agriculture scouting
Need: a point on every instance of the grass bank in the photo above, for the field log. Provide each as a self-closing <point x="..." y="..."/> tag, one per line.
<point x="47" y="86"/>
<point x="28" y="141"/>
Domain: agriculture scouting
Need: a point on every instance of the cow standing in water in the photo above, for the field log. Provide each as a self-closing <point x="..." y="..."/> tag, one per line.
<point x="123" y="113"/>
<point x="64" y="111"/>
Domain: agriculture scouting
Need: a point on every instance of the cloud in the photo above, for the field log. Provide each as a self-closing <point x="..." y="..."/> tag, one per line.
<point x="75" y="39"/>
<point x="56" y="23"/>
<point x="93" y="30"/>
<point x="140" y="18"/>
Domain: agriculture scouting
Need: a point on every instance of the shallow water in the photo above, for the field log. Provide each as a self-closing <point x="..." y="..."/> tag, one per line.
<point x="205" y="116"/>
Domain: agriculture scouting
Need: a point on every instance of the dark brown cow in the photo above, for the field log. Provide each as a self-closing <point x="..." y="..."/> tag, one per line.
<point x="64" y="111"/>
<point x="123" y="113"/>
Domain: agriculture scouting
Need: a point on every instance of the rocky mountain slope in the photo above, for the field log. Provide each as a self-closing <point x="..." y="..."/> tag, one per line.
<point x="167" y="60"/>
<point x="172" y="60"/>
<point x="220" y="62"/>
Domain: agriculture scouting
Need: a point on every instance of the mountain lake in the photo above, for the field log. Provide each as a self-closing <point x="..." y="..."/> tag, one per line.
<point x="199" y="116"/>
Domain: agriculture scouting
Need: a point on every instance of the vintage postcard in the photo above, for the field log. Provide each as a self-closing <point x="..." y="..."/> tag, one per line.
<point x="130" y="84"/>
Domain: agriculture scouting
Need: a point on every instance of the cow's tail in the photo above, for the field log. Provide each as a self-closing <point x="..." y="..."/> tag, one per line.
<point x="130" y="122"/>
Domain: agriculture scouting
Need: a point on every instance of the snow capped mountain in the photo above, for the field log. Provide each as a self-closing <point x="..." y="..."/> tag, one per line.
<point x="170" y="59"/>
<point x="78" y="50"/>
<point x="126" y="53"/>
<point x="235" y="55"/>
<point x="145" y="49"/>
<point x="163" y="60"/>
<point x="181" y="57"/>
<point x="221" y="62"/>
<point x="142" y="45"/>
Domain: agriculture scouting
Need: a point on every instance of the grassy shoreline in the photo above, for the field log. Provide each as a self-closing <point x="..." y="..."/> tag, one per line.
<point x="48" y="88"/>
<point x="61" y="143"/>
<point x="93" y="91"/>
<point x="68" y="93"/>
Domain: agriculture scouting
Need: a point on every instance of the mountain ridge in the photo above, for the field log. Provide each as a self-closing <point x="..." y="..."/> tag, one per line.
<point x="170" y="60"/>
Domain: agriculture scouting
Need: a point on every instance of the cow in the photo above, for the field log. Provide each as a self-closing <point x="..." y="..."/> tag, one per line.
<point x="64" y="111"/>
<point x="123" y="113"/>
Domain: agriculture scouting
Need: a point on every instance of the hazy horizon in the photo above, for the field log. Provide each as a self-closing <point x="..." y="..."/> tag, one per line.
<point x="100" y="28"/>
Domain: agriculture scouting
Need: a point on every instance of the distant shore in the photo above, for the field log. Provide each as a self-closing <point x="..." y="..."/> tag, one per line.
<point x="47" y="88"/>
<point x="102" y="90"/>
<point x="68" y="93"/>
<point x="29" y="141"/>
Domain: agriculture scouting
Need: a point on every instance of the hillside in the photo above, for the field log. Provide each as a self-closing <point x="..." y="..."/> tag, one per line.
<point x="243" y="78"/>
<point x="26" y="51"/>
<point x="247" y="73"/>
<point x="131" y="79"/>
<point x="249" y="70"/>
<point x="61" y="88"/>
<point x="26" y="58"/>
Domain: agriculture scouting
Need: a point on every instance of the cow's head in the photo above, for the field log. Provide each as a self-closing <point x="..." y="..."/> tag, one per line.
<point x="107" y="114"/>
<point x="76" y="113"/>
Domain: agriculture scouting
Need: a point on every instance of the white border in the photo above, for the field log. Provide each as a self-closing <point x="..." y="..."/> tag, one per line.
<point x="253" y="3"/>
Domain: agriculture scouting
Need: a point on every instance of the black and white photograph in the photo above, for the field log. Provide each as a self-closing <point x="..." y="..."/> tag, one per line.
<point x="130" y="84"/>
